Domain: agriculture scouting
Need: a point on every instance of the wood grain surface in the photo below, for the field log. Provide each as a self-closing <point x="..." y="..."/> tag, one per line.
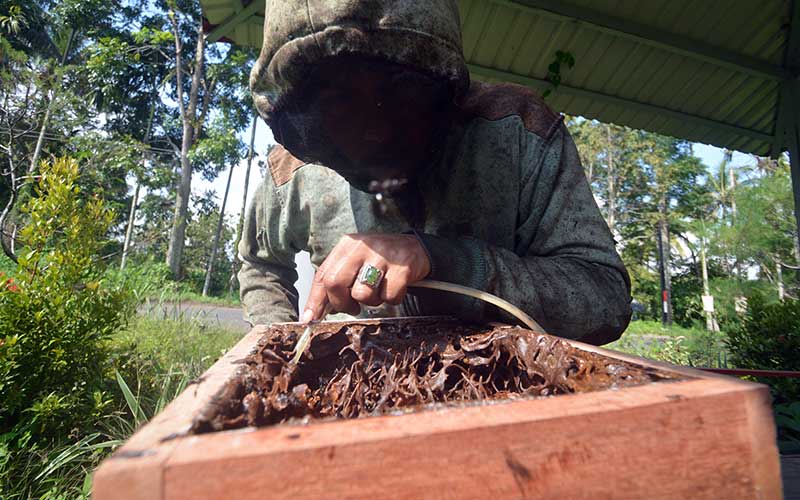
<point x="709" y="436"/>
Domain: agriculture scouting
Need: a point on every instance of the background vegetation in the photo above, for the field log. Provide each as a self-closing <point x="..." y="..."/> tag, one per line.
<point x="108" y="113"/>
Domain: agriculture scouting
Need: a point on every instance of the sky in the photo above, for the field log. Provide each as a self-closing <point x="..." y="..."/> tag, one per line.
<point x="263" y="140"/>
<point x="710" y="155"/>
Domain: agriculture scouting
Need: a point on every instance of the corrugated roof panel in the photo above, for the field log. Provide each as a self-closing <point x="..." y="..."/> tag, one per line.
<point x="508" y="36"/>
<point x="515" y="36"/>
<point x="494" y="36"/>
<point x="474" y="25"/>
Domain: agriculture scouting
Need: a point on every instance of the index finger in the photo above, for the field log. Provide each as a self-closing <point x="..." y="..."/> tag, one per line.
<point x="317" y="298"/>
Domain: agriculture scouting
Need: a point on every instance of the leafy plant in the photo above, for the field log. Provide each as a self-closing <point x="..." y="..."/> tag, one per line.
<point x="554" y="70"/>
<point x="768" y="338"/>
<point x="787" y="419"/>
<point x="55" y="319"/>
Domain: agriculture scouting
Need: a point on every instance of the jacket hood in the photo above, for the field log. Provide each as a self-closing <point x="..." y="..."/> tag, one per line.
<point x="423" y="35"/>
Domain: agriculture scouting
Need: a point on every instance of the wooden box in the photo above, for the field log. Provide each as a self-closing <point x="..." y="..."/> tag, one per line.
<point x="689" y="434"/>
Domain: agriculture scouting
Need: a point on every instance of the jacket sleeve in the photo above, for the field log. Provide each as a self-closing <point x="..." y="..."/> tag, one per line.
<point x="268" y="273"/>
<point x="565" y="271"/>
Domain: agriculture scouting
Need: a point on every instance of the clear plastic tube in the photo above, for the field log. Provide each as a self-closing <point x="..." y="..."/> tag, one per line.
<point x="484" y="296"/>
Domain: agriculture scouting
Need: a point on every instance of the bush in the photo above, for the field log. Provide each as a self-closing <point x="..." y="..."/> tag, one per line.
<point x="768" y="338"/>
<point x="55" y="319"/>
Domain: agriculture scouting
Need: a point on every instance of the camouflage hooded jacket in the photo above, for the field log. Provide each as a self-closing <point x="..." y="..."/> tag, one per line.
<point x="508" y="209"/>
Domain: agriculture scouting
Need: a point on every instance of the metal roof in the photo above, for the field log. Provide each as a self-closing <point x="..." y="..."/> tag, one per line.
<point x="720" y="72"/>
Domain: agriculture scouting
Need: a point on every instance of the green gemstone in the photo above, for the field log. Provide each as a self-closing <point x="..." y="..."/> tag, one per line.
<point x="371" y="275"/>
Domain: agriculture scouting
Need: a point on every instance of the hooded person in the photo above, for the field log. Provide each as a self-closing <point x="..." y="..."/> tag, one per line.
<point x="392" y="167"/>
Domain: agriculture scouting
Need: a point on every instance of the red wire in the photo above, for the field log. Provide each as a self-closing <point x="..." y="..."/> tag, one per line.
<point x="755" y="373"/>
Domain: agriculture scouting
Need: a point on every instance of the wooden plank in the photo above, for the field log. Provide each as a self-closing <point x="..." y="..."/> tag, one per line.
<point x="708" y="436"/>
<point x="135" y="469"/>
<point x="668" y="440"/>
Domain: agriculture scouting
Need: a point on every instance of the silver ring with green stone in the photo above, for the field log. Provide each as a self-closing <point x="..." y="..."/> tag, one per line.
<point x="370" y="276"/>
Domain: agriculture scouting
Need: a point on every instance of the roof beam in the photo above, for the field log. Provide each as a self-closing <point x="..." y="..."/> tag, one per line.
<point x="234" y="20"/>
<point x="778" y="140"/>
<point x="651" y="36"/>
<point x="793" y="143"/>
<point x="619" y="101"/>
<point x="791" y="60"/>
<point x="793" y="46"/>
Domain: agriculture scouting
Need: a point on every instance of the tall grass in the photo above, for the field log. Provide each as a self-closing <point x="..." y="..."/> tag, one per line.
<point x="153" y="361"/>
<point x="149" y="281"/>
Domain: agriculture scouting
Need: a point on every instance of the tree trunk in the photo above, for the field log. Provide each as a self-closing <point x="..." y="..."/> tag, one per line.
<point x="611" y="197"/>
<point x="664" y="266"/>
<point x="240" y="225"/>
<point x="711" y="322"/>
<point x="129" y="231"/>
<point x="188" y="116"/>
<point x="731" y="186"/>
<point x="796" y="250"/>
<point x="796" y="253"/>
<point x="215" y="245"/>
<point x="48" y="111"/>
<point x="779" y="278"/>
<point x="8" y="244"/>
<point x="132" y="216"/>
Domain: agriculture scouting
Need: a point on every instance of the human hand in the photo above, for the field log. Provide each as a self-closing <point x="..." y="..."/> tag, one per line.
<point x="400" y="257"/>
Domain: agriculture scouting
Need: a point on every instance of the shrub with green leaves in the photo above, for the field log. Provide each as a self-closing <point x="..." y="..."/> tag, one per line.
<point x="55" y="320"/>
<point x="768" y="338"/>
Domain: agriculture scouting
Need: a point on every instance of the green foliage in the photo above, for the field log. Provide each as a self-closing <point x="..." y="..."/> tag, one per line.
<point x="687" y="304"/>
<point x="673" y="344"/>
<point x="200" y="237"/>
<point x="11" y="22"/>
<point x="787" y="419"/>
<point x="155" y="359"/>
<point x="669" y="349"/>
<point x="763" y="231"/>
<point x="218" y="149"/>
<point x="768" y="338"/>
<point x="143" y="280"/>
<point x="55" y="321"/>
<point x="7" y="266"/>
<point x="561" y="58"/>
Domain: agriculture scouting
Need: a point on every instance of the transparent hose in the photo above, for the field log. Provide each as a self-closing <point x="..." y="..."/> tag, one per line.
<point x="305" y="337"/>
<point x="484" y="296"/>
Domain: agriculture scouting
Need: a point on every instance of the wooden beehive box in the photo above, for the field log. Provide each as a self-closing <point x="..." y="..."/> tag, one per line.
<point x="575" y="421"/>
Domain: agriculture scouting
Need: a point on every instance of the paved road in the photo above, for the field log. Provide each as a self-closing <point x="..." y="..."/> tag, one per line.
<point x="209" y="314"/>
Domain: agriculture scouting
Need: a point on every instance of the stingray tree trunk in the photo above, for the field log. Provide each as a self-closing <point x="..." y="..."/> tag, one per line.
<point x="191" y="125"/>
<point x="217" y="235"/>
<point x="240" y="226"/>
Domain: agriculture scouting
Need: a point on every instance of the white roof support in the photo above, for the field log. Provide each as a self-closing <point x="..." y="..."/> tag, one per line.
<point x="651" y="36"/>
